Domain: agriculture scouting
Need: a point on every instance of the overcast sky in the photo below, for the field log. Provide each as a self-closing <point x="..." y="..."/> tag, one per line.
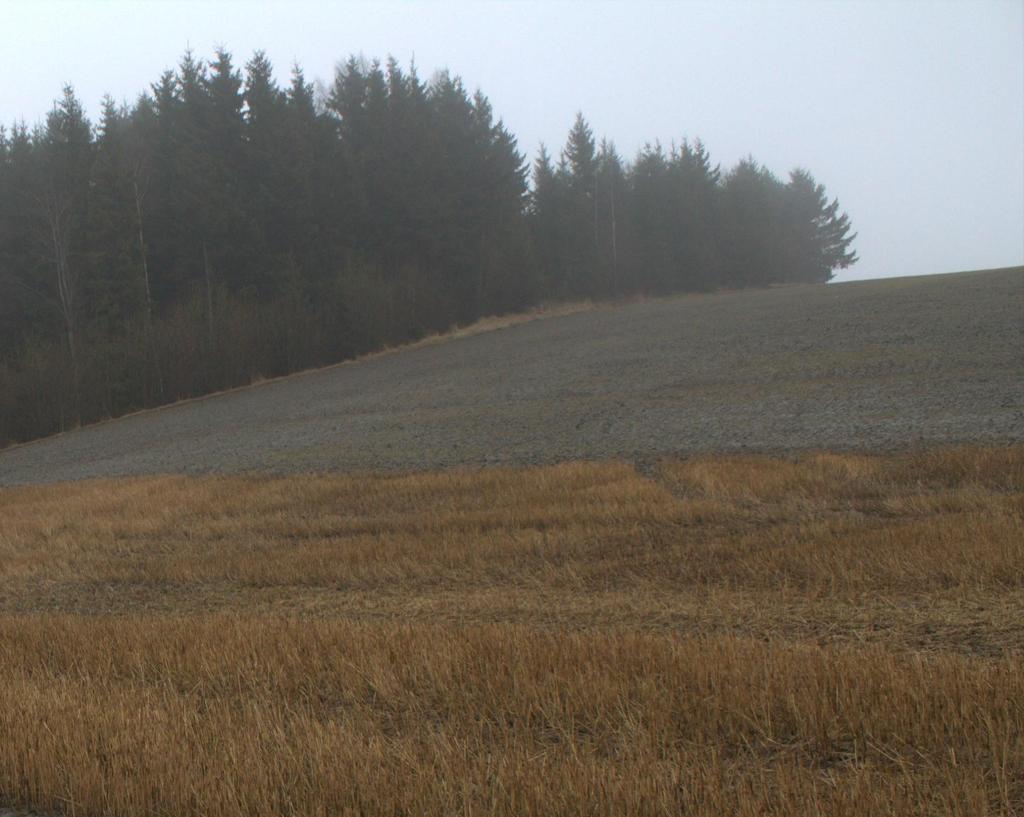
<point x="912" y="113"/>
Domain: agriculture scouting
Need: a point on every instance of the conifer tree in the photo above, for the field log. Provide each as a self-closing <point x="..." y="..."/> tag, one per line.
<point x="225" y="223"/>
<point x="611" y="204"/>
<point x="654" y="220"/>
<point x="265" y="171"/>
<point x="578" y="167"/>
<point x="158" y="136"/>
<point x="115" y="290"/>
<point x="750" y="226"/>
<point x="62" y="199"/>
<point x="547" y="213"/>
<point x="223" y="227"/>
<point x="694" y="185"/>
<point x="25" y="307"/>
<point x="818" y="234"/>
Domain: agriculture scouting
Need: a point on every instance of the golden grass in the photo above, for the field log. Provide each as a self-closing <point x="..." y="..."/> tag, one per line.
<point x="831" y="634"/>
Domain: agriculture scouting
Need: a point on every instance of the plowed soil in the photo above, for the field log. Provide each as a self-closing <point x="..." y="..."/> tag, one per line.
<point x="872" y="365"/>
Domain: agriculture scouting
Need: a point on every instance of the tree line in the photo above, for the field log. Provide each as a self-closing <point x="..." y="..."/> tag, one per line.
<point x="224" y="228"/>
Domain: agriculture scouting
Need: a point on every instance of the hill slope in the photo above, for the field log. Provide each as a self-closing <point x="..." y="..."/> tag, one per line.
<point x="873" y="364"/>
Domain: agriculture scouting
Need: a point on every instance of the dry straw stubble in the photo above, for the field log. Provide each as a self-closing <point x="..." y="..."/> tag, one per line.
<point x="835" y="634"/>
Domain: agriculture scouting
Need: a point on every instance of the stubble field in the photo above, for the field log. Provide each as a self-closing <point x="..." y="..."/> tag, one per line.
<point x="825" y="633"/>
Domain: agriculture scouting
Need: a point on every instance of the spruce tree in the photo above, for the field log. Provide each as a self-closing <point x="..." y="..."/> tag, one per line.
<point x="266" y="168"/>
<point x="67" y="154"/>
<point x="750" y="227"/>
<point x="611" y="207"/>
<point x="654" y="220"/>
<point x="115" y="291"/>
<point x="578" y="167"/>
<point x="224" y="226"/>
<point x="818" y="234"/>
<point x="695" y="204"/>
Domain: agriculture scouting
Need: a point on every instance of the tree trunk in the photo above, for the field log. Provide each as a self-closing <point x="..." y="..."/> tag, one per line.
<point x="615" y="248"/>
<point x="209" y="297"/>
<point x="142" y="253"/>
<point x="149" y="294"/>
<point x="57" y="212"/>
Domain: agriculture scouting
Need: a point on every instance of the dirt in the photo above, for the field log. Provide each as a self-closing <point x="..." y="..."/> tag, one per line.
<point x="873" y="365"/>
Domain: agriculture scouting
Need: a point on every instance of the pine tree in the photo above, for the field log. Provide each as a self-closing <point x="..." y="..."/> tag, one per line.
<point x="24" y="307"/>
<point x="314" y="207"/>
<point x="501" y="224"/>
<point x="266" y="167"/>
<point x="818" y="235"/>
<point x="610" y="205"/>
<point x="578" y="168"/>
<point x="581" y="157"/>
<point x="226" y="225"/>
<point x="751" y="227"/>
<point x="654" y="220"/>
<point x="115" y="290"/>
<point x="157" y="135"/>
<point x="66" y="151"/>
<point x="222" y="227"/>
<point x="695" y="187"/>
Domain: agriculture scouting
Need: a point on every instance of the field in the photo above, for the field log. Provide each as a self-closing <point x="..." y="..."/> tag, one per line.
<point x="868" y="365"/>
<point x="819" y="633"/>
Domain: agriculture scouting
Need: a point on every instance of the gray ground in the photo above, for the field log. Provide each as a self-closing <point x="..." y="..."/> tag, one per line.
<point x="866" y="365"/>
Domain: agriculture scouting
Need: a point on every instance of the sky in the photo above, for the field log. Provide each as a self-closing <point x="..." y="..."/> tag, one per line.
<point x="911" y="113"/>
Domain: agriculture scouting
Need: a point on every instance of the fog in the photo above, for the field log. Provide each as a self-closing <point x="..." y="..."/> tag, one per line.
<point x="912" y="114"/>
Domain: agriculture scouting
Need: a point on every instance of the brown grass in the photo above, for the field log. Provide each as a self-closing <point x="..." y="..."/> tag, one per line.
<point x="833" y="634"/>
